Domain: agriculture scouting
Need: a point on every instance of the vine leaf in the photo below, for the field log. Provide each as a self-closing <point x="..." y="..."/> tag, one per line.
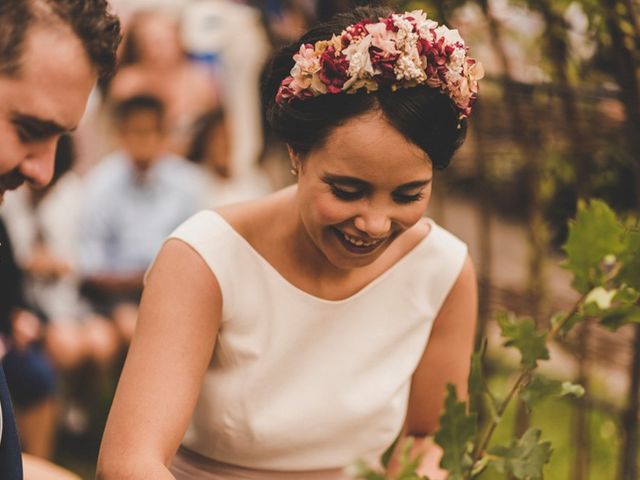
<point x="457" y="430"/>
<point x="595" y="234"/>
<point x="524" y="458"/>
<point x="541" y="387"/>
<point x="614" y="308"/>
<point x="630" y="258"/>
<point x="409" y="465"/>
<point x="522" y="334"/>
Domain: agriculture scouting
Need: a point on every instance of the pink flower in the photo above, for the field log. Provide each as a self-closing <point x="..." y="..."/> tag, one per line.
<point x="383" y="38"/>
<point x="284" y="92"/>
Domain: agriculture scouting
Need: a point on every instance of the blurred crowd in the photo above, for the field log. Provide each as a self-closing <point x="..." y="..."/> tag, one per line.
<point x="177" y="129"/>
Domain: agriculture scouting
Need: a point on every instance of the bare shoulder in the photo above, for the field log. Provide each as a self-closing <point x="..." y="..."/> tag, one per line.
<point x="460" y="306"/>
<point x="176" y="265"/>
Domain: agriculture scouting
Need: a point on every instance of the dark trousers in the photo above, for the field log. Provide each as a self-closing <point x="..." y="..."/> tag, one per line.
<point x="10" y="457"/>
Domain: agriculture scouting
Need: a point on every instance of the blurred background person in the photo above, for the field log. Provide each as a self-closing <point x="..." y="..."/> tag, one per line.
<point x="29" y="374"/>
<point x="133" y="199"/>
<point x="211" y="150"/>
<point x="231" y="40"/>
<point x="43" y="225"/>
<point x="153" y="61"/>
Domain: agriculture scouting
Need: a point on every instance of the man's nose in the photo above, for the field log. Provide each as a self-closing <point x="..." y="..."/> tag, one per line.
<point x="38" y="166"/>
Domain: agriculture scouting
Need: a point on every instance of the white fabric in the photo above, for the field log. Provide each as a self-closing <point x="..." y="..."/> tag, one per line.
<point x="298" y="382"/>
<point x="235" y="34"/>
<point x="54" y="221"/>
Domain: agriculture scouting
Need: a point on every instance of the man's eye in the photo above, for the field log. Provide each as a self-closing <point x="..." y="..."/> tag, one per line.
<point x="346" y="194"/>
<point x="25" y="134"/>
<point x="29" y="134"/>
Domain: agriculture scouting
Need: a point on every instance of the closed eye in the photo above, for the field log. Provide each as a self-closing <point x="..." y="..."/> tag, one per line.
<point x="31" y="129"/>
<point x="403" y="198"/>
<point x="347" y="195"/>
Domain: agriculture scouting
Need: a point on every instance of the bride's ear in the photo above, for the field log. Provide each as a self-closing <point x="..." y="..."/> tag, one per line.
<point x="295" y="160"/>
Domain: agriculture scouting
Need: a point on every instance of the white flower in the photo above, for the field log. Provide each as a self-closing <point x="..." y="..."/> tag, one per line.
<point x="423" y="24"/>
<point x="451" y="37"/>
<point x="360" y="66"/>
<point x="409" y="69"/>
<point x="457" y="59"/>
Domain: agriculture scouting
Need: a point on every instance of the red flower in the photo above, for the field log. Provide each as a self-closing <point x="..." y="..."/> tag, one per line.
<point x="359" y="29"/>
<point x="388" y="21"/>
<point x="284" y="92"/>
<point x="333" y="72"/>
<point x="384" y="64"/>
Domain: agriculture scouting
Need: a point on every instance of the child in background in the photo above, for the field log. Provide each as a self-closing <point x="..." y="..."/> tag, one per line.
<point x="133" y="198"/>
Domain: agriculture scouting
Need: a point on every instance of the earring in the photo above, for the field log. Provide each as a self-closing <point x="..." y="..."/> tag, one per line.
<point x="294" y="170"/>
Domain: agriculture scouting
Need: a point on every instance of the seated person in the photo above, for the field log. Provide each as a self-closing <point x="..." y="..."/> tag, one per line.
<point x="42" y="225"/>
<point x="30" y="377"/>
<point x="133" y="199"/>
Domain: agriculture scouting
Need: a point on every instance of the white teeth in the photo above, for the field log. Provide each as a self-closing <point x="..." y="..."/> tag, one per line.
<point x="357" y="242"/>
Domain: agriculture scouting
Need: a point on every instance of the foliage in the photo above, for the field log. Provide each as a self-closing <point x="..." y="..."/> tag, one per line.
<point x="603" y="256"/>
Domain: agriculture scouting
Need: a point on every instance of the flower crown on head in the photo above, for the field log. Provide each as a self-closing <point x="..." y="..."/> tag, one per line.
<point x="400" y="51"/>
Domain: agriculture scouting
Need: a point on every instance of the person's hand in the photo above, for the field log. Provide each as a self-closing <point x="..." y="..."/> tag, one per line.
<point x="25" y="328"/>
<point x="45" y="265"/>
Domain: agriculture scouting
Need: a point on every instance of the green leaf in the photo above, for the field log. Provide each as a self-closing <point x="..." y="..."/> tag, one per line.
<point x="616" y="317"/>
<point x="455" y="436"/>
<point x="361" y="471"/>
<point x="524" y="458"/>
<point x="477" y="384"/>
<point x="630" y="258"/>
<point x="522" y="334"/>
<point x="595" y="233"/>
<point x="540" y="388"/>
<point x="385" y="458"/>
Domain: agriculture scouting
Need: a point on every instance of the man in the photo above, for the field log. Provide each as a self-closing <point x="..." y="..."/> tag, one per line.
<point x="51" y="54"/>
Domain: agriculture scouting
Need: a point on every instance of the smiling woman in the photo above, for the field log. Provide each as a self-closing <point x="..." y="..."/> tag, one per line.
<point x="292" y="335"/>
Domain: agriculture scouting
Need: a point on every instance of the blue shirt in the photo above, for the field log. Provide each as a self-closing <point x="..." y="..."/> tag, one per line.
<point x="127" y="215"/>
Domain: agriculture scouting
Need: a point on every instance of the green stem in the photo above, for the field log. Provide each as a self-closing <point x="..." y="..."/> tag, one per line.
<point x="524" y="375"/>
<point x="553" y="333"/>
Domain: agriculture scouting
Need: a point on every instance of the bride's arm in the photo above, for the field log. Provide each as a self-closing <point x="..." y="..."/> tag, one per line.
<point x="445" y="360"/>
<point x="171" y="349"/>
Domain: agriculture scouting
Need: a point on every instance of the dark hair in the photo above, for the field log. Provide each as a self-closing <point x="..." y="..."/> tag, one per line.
<point x="65" y="157"/>
<point x="124" y="108"/>
<point x="425" y="116"/>
<point x="202" y="131"/>
<point x="90" y="20"/>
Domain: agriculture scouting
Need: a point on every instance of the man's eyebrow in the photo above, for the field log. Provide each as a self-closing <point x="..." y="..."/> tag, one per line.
<point x="42" y="126"/>
<point x="346" y="180"/>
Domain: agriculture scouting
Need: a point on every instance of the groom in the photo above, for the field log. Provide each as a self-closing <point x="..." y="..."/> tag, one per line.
<point x="51" y="54"/>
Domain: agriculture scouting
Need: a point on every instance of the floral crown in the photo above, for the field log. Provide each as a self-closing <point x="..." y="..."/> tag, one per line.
<point x="400" y="51"/>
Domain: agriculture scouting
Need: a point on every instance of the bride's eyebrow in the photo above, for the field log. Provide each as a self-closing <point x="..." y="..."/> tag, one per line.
<point x="345" y="180"/>
<point x="414" y="185"/>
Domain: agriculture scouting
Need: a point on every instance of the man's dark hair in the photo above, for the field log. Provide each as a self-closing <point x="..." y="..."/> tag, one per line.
<point x="91" y="20"/>
<point x="125" y="108"/>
